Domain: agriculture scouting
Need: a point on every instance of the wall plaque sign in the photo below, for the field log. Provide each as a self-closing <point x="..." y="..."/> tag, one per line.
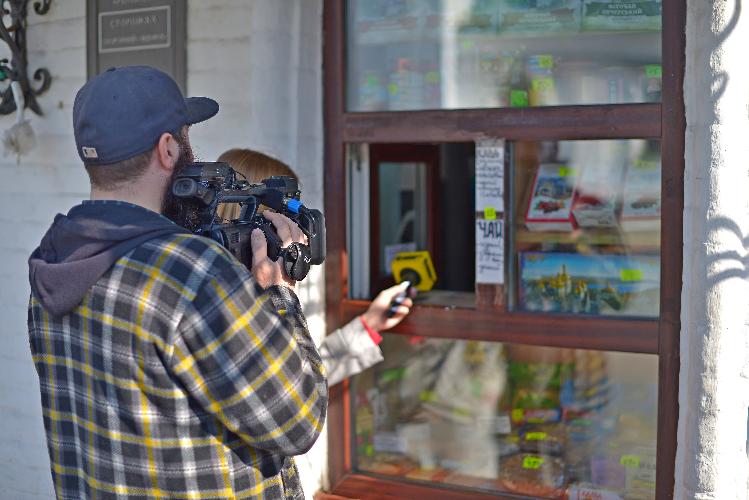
<point x="130" y="32"/>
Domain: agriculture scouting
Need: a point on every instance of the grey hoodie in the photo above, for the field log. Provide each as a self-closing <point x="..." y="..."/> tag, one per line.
<point x="80" y="247"/>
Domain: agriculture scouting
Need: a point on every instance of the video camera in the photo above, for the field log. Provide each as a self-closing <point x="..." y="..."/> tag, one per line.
<point x="212" y="183"/>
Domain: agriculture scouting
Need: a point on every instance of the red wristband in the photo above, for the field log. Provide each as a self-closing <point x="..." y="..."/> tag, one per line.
<point x="373" y="334"/>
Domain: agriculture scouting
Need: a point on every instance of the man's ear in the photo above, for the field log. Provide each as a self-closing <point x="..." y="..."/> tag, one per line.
<point x="167" y="152"/>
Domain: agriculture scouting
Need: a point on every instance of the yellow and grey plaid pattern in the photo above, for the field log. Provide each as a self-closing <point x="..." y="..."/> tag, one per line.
<point x="177" y="378"/>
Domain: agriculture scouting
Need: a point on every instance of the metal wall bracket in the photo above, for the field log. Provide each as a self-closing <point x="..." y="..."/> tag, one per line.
<point x="13" y="25"/>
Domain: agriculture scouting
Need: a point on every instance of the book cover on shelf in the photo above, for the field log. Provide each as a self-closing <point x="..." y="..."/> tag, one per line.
<point x="621" y="15"/>
<point x="605" y="285"/>
<point x="641" y="199"/>
<point x="531" y="17"/>
<point x="597" y="196"/>
<point x="550" y="202"/>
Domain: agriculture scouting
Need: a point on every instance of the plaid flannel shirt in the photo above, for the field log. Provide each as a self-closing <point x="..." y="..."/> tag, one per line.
<point x="176" y="377"/>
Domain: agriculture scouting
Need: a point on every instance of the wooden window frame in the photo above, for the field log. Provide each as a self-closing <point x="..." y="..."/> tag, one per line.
<point x="665" y="121"/>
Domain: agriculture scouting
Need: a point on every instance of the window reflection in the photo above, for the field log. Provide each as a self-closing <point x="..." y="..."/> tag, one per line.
<point x="447" y="54"/>
<point x="534" y="421"/>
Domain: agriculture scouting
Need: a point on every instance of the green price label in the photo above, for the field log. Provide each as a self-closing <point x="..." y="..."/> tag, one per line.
<point x="428" y="396"/>
<point x="519" y="98"/>
<point x="567" y="172"/>
<point x="646" y="164"/>
<point x="654" y="71"/>
<point x="432" y="77"/>
<point x="369" y="450"/>
<point x="532" y="462"/>
<point x="518" y="414"/>
<point x="631" y="275"/>
<point x="535" y="436"/>
<point x="490" y="213"/>
<point x="630" y="461"/>
<point x="468" y="44"/>
<point x="393" y="88"/>
<point x="542" y="84"/>
<point x="546" y="61"/>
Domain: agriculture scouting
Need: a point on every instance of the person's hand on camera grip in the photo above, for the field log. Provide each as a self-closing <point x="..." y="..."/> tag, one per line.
<point x="266" y="272"/>
<point x="376" y="316"/>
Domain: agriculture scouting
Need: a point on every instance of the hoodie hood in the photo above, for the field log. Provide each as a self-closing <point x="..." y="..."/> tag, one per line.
<point x="80" y="247"/>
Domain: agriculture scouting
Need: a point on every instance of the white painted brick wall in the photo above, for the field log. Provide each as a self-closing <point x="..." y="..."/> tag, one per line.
<point x="261" y="60"/>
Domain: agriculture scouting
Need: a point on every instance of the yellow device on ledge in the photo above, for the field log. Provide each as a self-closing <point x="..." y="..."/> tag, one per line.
<point x="415" y="267"/>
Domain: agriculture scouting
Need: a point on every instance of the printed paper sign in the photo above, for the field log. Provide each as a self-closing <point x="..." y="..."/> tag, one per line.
<point x="490" y="252"/>
<point x="490" y="175"/>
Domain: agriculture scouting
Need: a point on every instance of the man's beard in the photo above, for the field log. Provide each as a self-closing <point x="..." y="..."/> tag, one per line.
<point x="181" y="211"/>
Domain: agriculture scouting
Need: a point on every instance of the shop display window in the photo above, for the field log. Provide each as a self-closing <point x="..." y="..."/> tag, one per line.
<point x="584" y="223"/>
<point x="542" y="422"/>
<point x="452" y="54"/>
<point x="587" y="221"/>
<point x="534" y="149"/>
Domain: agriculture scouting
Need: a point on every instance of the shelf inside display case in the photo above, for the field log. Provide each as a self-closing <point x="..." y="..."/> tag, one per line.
<point x="506" y="418"/>
<point x="646" y="240"/>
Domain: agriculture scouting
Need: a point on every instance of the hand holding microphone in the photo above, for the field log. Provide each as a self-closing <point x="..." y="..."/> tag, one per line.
<point x="390" y="307"/>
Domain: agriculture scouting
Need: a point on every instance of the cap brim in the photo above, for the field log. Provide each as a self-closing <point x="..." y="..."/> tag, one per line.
<point x="199" y="109"/>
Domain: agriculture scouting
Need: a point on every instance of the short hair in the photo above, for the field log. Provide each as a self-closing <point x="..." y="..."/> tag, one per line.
<point x="254" y="166"/>
<point x="112" y="176"/>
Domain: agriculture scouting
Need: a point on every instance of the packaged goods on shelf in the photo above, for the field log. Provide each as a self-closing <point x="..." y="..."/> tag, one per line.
<point x="406" y="87"/>
<point x="621" y="15"/>
<point x="597" y="196"/>
<point x="386" y="21"/>
<point x="481" y="17"/>
<point x="551" y="199"/>
<point x="542" y="86"/>
<point x="373" y="92"/>
<point x="607" y="285"/>
<point x="541" y="476"/>
<point x="539" y="18"/>
<point x="641" y="200"/>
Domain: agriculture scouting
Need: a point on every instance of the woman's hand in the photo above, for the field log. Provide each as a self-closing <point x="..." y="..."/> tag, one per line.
<point x="376" y="316"/>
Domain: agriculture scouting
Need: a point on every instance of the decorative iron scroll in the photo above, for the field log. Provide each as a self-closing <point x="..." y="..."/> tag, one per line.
<point x="13" y="32"/>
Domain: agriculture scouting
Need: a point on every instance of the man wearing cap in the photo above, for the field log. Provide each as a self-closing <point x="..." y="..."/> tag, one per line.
<point x="167" y="369"/>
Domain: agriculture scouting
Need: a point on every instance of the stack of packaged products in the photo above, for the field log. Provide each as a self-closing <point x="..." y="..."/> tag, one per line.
<point x="546" y="423"/>
<point x="565" y="197"/>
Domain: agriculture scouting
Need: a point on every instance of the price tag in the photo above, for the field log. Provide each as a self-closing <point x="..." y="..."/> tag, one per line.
<point x="546" y="61"/>
<point x="393" y="88"/>
<point x="631" y="275"/>
<point x="542" y="84"/>
<point x="532" y="462"/>
<point x="519" y="98"/>
<point x="428" y="396"/>
<point x="646" y="164"/>
<point x="567" y="172"/>
<point x="517" y="415"/>
<point x="631" y="461"/>
<point x="490" y="213"/>
<point x="535" y="436"/>
<point x="654" y="71"/>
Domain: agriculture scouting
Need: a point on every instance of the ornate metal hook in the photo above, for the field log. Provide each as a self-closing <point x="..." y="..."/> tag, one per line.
<point x="13" y="32"/>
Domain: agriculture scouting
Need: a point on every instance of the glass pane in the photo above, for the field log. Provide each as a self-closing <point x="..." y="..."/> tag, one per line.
<point x="448" y="54"/>
<point x="402" y="209"/>
<point x="587" y="227"/>
<point x="534" y="421"/>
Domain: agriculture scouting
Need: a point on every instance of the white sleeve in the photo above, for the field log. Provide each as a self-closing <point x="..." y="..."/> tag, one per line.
<point x="348" y="351"/>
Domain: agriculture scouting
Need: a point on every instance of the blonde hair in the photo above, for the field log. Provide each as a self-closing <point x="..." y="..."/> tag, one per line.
<point x="254" y="166"/>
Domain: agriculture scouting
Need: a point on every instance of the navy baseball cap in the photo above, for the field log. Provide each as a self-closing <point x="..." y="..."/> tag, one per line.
<point x="123" y="112"/>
